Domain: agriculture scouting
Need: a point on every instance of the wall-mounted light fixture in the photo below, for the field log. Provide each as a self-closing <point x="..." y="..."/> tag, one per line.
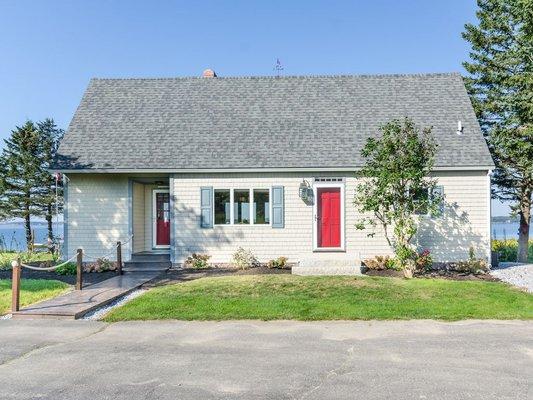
<point x="305" y="191"/>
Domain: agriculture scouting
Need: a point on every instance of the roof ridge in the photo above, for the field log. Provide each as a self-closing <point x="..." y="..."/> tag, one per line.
<point x="428" y="74"/>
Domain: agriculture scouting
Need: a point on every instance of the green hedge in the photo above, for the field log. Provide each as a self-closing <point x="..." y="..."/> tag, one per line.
<point x="507" y="249"/>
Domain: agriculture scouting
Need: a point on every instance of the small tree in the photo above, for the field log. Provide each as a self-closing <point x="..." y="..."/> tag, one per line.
<point x="395" y="184"/>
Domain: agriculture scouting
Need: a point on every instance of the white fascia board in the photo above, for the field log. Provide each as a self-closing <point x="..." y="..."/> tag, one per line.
<point x="242" y="170"/>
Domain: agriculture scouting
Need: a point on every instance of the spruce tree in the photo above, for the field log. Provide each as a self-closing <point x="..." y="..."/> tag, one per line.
<point x="3" y="213"/>
<point x="500" y="84"/>
<point x="49" y="137"/>
<point x="22" y="175"/>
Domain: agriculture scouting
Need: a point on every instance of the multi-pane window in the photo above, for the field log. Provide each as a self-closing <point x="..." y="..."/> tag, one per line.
<point x="222" y="206"/>
<point x="242" y="206"/>
<point x="434" y="197"/>
<point x="261" y="209"/>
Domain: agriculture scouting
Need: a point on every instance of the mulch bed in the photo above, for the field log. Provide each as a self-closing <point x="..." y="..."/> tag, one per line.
<point x="451" y="275"/>
<point x="88" y="278"/>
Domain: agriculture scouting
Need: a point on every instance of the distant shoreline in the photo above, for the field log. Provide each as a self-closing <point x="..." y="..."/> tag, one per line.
<point x="21" y="223"/>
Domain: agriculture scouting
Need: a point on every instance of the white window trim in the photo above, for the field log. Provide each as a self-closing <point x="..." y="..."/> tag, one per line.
<point x="426" y="214"/>
<point x="317" y="185"/>
<point x="269" y="205"/>
<point x="230" y="209"/>
<point x="232" y="205"/>
<point x="154" y="219"/>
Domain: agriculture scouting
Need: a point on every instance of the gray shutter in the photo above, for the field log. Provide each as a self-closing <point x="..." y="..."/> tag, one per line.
<point x="438" y="193"/>
<point x="278" y="206"/>
<point x="206" y="200"/>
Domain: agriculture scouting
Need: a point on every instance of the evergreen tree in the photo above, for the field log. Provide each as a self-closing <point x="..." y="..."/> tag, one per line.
<point x="501" y="88"/>
<point x="3" y="170"/>
<point x="22" y="175"/>
<point x="49" y="135"/>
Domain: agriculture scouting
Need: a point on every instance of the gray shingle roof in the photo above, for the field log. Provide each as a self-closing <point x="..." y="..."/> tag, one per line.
<point x="262" y="122"/>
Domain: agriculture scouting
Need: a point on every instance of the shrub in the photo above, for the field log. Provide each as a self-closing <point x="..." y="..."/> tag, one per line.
<point x="197" y="261"/>
<point x="508" y="249"/>
<point x="379" y="263"/>
<point x="472" y="266"/>
<point x="392" y="263"/>
<point x="67" y="269"/>
<point x="424" y="261"/>
<point x="280" y="262"/>
<point x="404" y="254"/>
<point x="100" y="265"/>
<point x="243" y="259"/>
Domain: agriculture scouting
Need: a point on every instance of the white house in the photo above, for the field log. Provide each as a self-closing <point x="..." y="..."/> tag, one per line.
<point x="266" y="163"/>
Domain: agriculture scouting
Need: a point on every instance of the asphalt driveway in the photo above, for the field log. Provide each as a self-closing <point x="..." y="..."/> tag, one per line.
<point x="266" y="360"/>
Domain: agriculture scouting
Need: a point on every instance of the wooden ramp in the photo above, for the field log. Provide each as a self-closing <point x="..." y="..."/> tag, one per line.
<point x="76" y="304"/>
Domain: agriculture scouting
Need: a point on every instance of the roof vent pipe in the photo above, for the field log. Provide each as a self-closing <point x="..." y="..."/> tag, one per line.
<point x="209" y="73"/>
<point x="459" y="128"/>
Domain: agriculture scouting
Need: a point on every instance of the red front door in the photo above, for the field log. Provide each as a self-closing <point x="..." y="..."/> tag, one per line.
<point x="329" y="217"/>
<point x="162" y="211"/>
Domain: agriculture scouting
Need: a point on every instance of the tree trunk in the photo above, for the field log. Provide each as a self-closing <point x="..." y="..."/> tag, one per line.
<point x="49" y="221"/>
<point x="27" y="224"/>
<point x="523" y="230"/>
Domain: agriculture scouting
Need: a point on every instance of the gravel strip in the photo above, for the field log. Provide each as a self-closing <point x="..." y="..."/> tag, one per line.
<point x="100" y="312"/>
<point x="520" y="275"/>
<point x="6" y="316"/>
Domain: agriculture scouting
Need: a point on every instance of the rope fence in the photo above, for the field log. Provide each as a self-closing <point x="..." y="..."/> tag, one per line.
<point x="18" y="265"/>
<point x="52" y="268"/>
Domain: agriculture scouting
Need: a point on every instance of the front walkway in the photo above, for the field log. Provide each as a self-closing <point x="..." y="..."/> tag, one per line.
<point x="76" y="304"/>
<point x="266" y="360"/>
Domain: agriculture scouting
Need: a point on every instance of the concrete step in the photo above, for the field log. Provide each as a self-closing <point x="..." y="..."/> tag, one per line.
<point x="321" y="265"/>
<point x="147" y="261"/>
<point x="311" y="271"/>
<point x="138" y="266"/>
<point x="147" y="257"/>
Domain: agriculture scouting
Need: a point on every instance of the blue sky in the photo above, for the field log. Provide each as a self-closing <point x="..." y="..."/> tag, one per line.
<point x="50" y="49"/>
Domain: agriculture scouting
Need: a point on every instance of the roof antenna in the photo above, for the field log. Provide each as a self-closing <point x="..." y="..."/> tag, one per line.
<point x="278" y="67"/>
<point x="459" y="128"/>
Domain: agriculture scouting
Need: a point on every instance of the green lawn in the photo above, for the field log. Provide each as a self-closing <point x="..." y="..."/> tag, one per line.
<point x="6" y="257"/>
<point x="326" y="298"/>
<point x="32" y="291"/>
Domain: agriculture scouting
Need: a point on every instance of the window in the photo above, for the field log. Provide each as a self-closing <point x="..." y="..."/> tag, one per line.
<point x="421" y="199"/>
<point x="241" y="206"/>
<point x="261" y="211"/>
<point x="222" y="207"/>
<point x="435" y="198"/>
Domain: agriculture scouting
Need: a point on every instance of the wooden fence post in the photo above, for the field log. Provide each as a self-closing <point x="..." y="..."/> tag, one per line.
<point x="119" y="258"/>
<point x="15" y="285"/>
<point x="79" y="270"/>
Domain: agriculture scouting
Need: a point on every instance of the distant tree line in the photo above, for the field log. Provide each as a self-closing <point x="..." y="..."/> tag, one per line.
<point x="27" y="186"/>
